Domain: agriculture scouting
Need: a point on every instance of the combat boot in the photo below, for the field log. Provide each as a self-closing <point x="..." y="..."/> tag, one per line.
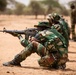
<point x="62" y="66"/>
<point x="15" y="62"/>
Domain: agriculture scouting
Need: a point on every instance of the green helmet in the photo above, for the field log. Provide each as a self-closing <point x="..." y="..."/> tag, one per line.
<point x="42" y="24"/>
<point x="55" y="16"/>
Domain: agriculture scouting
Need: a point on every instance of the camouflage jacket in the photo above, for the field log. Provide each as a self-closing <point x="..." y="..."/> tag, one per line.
<point x="52" y="40"/>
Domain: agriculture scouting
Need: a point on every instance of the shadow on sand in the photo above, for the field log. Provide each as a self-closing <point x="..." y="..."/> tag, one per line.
<point x="72" y="61"/>
<point x="72" y="52"/>
<point x="45" y="68"/>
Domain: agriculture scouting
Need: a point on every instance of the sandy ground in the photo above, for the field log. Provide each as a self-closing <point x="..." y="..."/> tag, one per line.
<point x="10" y="46"/>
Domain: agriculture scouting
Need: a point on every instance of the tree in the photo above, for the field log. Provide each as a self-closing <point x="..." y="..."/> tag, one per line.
<point x="64" y="11"/>
<point x="3" y="4"/>
<point x="11" y="1"/>
<point x="50" y="5"/>
<point x="74" y="2"/>
<point x="36" y="8"/>
<point x="19" y="8"/>
<point x="11" y="4"/>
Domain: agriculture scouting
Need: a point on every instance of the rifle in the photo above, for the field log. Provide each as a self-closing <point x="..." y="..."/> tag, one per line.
<point x="29" y="32"/>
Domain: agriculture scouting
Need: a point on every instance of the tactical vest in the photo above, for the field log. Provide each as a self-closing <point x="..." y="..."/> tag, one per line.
<point x="60" y="36"/>
<point x="63" y="41"/>
<point x="49" y="35"/>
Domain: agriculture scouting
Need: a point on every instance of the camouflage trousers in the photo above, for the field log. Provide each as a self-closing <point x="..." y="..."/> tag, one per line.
<point x="73" y="31"/>
<point x="35" y="47"/>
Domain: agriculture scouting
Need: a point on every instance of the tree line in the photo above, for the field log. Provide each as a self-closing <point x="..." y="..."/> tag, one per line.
<point x="35" y="7"/>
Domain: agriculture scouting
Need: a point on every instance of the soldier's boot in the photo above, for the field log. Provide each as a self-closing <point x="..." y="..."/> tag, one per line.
<point x="15" y="62"/>
<point x="21" y="56"/>
<point x="18" y="58"/>
<point x="62" y="66"/>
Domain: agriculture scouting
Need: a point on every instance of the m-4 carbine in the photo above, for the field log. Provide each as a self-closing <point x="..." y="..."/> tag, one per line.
<point x="29" y="32"/>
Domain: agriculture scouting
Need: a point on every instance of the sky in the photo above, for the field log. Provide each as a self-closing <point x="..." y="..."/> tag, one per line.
<point x="65" y="2"/>
<point x="26" y="2"/>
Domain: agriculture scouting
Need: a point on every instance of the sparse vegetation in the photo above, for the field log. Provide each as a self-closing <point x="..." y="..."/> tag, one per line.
<point x="36" y="8"/>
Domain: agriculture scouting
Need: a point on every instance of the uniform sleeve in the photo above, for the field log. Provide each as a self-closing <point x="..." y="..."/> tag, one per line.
<point x="23" y="42"/>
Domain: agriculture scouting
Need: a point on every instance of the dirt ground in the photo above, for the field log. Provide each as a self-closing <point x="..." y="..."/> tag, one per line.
<point x="10" y="46"/>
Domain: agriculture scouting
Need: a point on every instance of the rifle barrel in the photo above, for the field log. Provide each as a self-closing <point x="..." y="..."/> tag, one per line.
<point x="1" y="30"/>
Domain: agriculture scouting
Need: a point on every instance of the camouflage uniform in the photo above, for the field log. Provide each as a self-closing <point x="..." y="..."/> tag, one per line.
<point x="49" y="44"/>
<point x="73" y="21"/>
<point x="56" y="50"/>
<point x="60" y="25"/>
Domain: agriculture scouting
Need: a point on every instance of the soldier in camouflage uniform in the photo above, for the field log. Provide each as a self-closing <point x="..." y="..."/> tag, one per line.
<point x="73" y="21"/>
<point x="60" y="24"/>
<point x="49" y="44"/>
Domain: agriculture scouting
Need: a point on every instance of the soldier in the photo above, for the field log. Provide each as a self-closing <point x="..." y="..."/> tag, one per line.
<point x="60" y="24"/>
<point x="49" y="44"/>
<point x="73" y="21"/>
